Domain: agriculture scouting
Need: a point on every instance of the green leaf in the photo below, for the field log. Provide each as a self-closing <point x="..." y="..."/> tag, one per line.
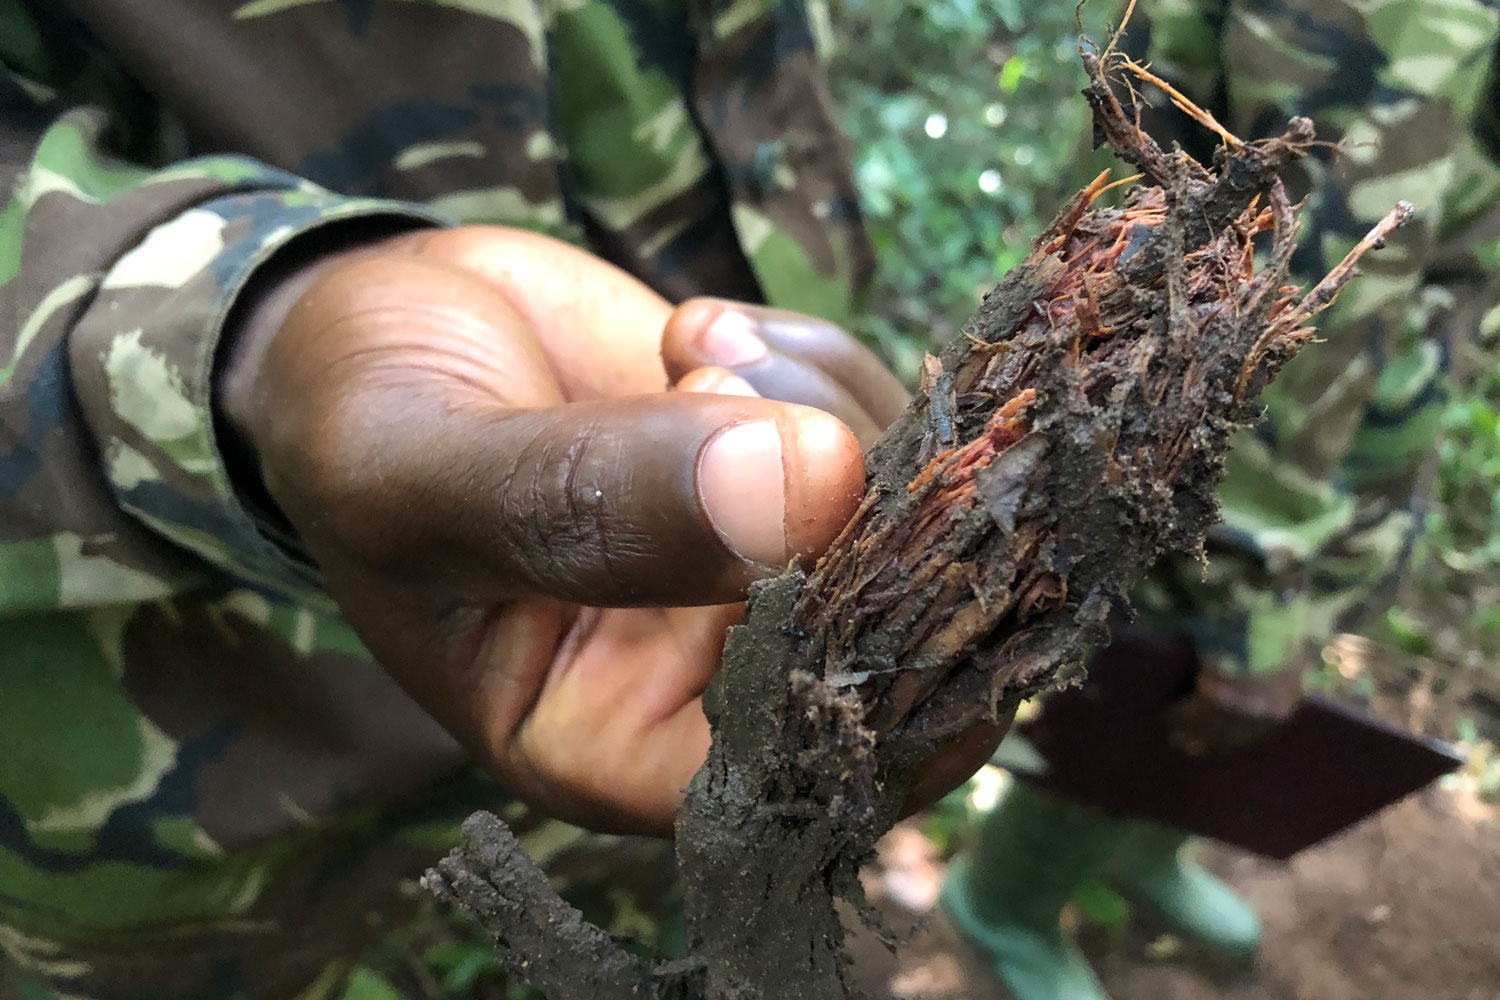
<point x="1012" y="73"/>
<point x="366" y="985"/>
<point x="1099" y="904"/>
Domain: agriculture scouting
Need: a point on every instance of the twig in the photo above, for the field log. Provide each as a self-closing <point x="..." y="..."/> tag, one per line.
<point x="539" y="937"/>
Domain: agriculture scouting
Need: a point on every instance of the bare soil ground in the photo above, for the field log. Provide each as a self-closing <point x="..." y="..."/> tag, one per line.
<point x="1405" y="906"/>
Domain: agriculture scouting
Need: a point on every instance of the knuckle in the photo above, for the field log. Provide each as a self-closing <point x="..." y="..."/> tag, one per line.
<point x="561" y="515"/>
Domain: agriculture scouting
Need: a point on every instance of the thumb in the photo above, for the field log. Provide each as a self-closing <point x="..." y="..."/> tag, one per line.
<point x="666" y="499"/>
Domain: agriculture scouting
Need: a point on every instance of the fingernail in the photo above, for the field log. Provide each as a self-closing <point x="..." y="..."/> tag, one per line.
<point x="743" y="490"/>
<point x="824" y="484"/>
<point x="730" y="340"/>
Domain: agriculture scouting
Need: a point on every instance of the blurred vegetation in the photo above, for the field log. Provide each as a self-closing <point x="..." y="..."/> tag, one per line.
<point x="1448" y="616"/>
<point x="967" y="126"/>
<point x="1458" y="557"/>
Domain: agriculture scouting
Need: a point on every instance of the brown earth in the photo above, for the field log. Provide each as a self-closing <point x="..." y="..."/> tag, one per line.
<point x="1405" y="906"/>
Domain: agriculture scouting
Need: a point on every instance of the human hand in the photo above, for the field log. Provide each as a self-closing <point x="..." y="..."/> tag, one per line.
<point x="471" y="431"/>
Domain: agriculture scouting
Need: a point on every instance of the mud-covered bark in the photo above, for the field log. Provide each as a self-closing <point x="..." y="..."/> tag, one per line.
<point x="541" y="938"/>
<point x="1073" y="432"/>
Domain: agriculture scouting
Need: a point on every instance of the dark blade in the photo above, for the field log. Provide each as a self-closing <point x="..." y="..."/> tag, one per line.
<point x="1107" y="744"/>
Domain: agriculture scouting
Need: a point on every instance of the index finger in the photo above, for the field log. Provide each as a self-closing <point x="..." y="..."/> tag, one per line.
<point x="806" y="339"/>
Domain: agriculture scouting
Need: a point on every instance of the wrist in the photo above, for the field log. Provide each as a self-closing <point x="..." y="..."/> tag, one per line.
<point x="262" y="306"/>
<point x="257" y="317"/>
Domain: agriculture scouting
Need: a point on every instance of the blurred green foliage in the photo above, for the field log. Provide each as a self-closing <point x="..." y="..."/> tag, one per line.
<point x="1098" y="904"/>
<point x="1459" y="556"/>
<point x="967" y="128"/>
<point x="1449" y="611"/>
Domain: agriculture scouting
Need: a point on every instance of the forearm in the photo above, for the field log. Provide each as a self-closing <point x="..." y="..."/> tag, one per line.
<point x="259" y="311"/>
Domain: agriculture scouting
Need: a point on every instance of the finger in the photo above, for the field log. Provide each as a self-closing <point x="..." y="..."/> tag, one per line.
<point x="634" y="682"/>
<point x="733" y="335"/>
<point x="956" y="762"/>
<point x="716" y="380"/>
<point x="770" y="373"/>
<point x="669" y="499"/>
<point x="532" y="675"/>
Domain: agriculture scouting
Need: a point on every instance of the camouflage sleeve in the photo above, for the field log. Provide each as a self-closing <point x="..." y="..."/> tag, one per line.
<point x="115" y="280"/>
<point x="1323" y="498"/>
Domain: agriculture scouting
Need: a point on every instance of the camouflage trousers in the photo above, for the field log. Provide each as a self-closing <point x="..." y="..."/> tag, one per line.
<point x="343" y="908"/>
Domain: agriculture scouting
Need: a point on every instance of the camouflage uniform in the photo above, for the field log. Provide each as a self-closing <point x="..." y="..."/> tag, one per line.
<point x="207" y="789"/>
<point x="1324" y="497"/>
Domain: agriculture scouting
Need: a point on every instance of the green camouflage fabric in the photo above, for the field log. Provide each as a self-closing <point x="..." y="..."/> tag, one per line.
<point x="207" y="789"/>
<point x="1323" y="498"/>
